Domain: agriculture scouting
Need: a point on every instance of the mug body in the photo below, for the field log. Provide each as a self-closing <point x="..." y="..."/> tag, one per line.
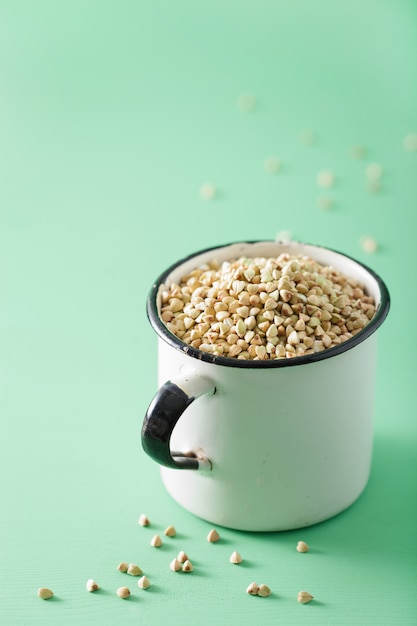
<point x="289" y="447"/>
<point x="289" y="443"/>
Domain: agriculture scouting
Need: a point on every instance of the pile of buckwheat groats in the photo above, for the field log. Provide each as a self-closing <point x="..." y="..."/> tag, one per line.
<point x="180" y="564"/>
<point x="265" y="308"/>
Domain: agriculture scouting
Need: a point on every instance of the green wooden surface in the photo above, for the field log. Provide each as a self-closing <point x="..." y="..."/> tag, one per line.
<point x="112" y="114"/>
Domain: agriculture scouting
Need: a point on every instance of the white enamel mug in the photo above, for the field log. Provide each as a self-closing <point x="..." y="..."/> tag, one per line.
<point x="264" y="445"/>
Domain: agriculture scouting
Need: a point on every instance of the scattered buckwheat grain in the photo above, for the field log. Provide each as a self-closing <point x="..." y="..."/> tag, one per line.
<point x="302" y="547"/>
<point x="283" y="235"/>
<point x="235" y="558"/>
<point x="325" y="179"/>
<point x="144" y="583"/>
<point x="252" y="589"/>
<point x="123" y="592"/>
<point x="307" y="137"/>
<point x="134" y="570"/>
<point x="207" y="191"/>
<point x="410" y="143"/>
<point x="264" y="591"/>
<point x="45" y="593"/>
<point x="170" y="531"/>
<point x="357" y="152"/>
<point x="368" y="244"/>
<point x="324" y="203"/>
<point x="304" y="597"/>
<point x="143" y="520"/>
<point x="246" y="102"/>
<point x="187" y="566"/>
<point x="156" y="541"/>
<point x="272" y="165"/>
<point x="182" y="556"/>
<point x="373" y="171"/>
<point x="92" y="585"/>
<point x="123" y="567"/>
<point x="175" y="565"/>
<point x="213" y="536"/>
<point x="373" y="185"/>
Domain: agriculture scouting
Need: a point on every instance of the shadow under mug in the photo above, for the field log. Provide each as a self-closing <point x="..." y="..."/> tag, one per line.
<point x="264" y="445"/>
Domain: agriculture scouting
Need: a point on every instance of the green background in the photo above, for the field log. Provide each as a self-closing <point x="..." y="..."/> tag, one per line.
<point x="112" y="115"/>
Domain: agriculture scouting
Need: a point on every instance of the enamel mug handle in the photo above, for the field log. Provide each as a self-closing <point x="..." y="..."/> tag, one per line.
<point x="166" y="408"/>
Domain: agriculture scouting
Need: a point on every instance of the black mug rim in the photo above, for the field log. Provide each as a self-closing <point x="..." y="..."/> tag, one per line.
<point x="164" y="333"/>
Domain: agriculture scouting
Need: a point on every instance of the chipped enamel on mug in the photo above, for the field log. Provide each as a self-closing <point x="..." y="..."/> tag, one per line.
<point x="264" y="445"/>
